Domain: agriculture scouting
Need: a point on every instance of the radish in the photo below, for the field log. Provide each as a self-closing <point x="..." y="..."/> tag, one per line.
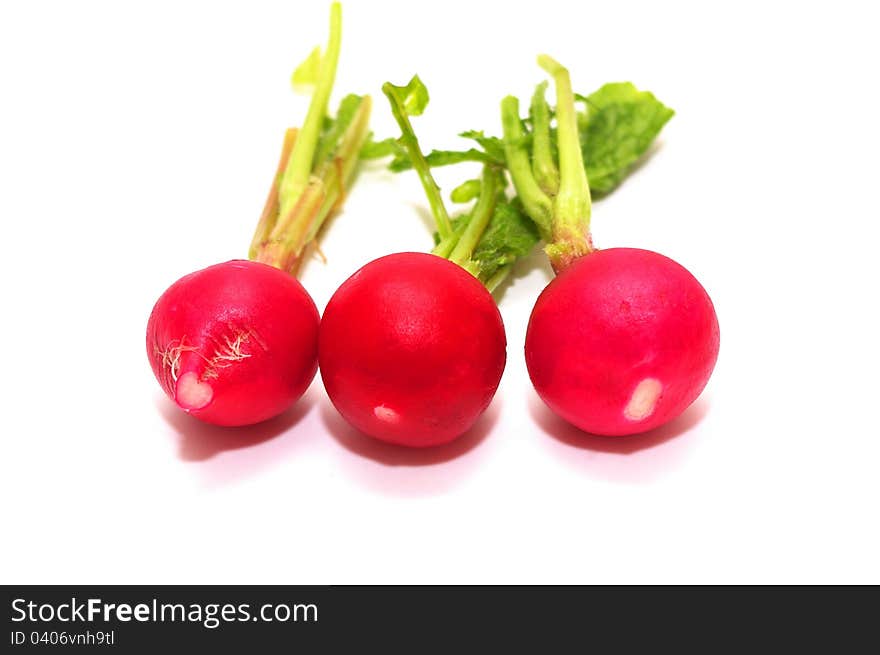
<point x="412" y="346"/>
<point x="622" y="340"/>
<point x="412" y="349"/>
<point x="234" y="343"/>
<point x="237" y="343"/>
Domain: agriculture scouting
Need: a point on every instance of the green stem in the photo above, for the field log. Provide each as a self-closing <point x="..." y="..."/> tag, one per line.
<point x="571" y="207"/>
<point x="420" y="164"/>
<point x="543" y="162"/>
<point x="466" y="191"/>
<point x="480" y="218"/>
<point x="499" y="277"/>
<point x="325" y="191"/>
<point x="537" y="204"/>
<point x="299" y="168"/>
<point x="270" y="210"/>
<point x="447" y="245"/>
<point x="284" y="246"/>
<point x="338" y="170"/>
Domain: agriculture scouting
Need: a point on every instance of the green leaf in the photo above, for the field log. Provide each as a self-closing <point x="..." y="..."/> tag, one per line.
<point x="306" y="74"/>
<point x="493" y="152"/>
<point x="413" y="96"/>
<point x="492" y="145"/>
<point x="618" y="127"/>
<point x="436" y="158"/>
<point x="379" y="149"/>
<point x="511" y="234"/>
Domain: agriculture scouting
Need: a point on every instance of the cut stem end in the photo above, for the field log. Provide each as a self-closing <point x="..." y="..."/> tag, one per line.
<point x="190" y="393"/>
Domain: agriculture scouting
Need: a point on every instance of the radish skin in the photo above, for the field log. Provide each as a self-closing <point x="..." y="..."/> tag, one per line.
<point x="235" y="343"/>
<point x="621" y="341"/>
<point x="411" y="349"/>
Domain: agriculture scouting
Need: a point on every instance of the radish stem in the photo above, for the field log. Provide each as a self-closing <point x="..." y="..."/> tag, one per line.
<point x="410" y="142"/>
<point x="338" y="171"/>
<point x="499" y="277"/>
<point x="270" y="209"/>
<point x="537" y="204"/>
<point x="543" y="162"/>
<point x="296" y="175"/>
<point x="571" y="206"/>
<point x="315" y="168"/>
<point x="480" y="218"/>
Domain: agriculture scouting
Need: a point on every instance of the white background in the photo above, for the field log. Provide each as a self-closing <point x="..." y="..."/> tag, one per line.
<point x="137" y="142"/>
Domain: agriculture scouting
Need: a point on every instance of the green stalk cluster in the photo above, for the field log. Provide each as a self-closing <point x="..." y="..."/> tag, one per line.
<point x="556" y="159"/>
<point x="558" y="200"/>
<point x="457" y="242"/>
<point x="316" y="165"/>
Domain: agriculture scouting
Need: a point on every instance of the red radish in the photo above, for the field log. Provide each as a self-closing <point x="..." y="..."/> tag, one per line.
<point x="237" y="343"/>
<point x="234" y="343"/>
<point x="412" y="349"/>
<point x="622" y="341"/>
<point x="412" y="346"/>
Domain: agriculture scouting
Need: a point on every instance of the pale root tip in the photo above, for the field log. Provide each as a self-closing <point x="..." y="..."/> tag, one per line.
<point x="643" y="400"/>
<point x="192" y="394"/>
<point x="386" y="414"/>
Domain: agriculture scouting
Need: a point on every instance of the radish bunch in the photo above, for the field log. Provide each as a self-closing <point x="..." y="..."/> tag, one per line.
<point x="412" y="346"/>
<point x="622" y="340"/>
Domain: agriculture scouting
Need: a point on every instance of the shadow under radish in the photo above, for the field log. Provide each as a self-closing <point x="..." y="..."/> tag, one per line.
<point x="358" y="443"/>
<point x="535" y="260"/>
<point x="408" y="472"/>
<point x="201" y="441"/>
<point x="565" y="432"/>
